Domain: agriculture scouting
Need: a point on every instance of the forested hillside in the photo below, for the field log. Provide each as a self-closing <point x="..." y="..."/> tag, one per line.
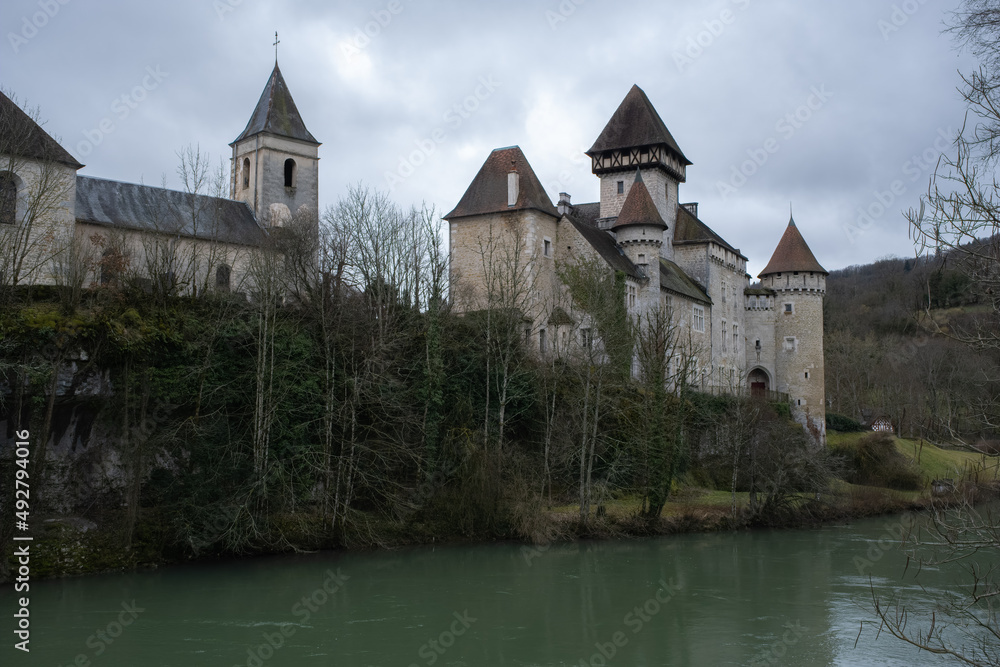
<point x="896" y="339"/>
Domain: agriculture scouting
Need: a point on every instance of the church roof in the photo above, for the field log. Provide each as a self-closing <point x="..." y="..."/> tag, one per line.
<point x="23" y="137"/>
<point x="276" y="113"/>
<point x="673" y="279"/>
<point x="636" y="123"/>
<point x="690" y="229"/>
<point x="639" y="208"/>
<point x="145" y="208"/>
<point x="488" y="191"/>
<point x="792" y="254"/>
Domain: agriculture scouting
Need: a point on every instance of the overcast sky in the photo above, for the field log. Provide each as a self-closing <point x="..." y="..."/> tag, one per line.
<point x="838" y="102"/>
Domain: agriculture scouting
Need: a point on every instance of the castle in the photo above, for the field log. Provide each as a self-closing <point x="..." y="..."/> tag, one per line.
<point x="736" y="337"/>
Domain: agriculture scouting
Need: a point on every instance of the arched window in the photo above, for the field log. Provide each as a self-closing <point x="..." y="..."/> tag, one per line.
<point x="246" y="173"/>
<point x="289" y="173"/>
<point x="222" y="278"/>
<point x="8" y="198"/>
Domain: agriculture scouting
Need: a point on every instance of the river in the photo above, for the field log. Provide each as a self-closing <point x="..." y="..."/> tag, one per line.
<point x="794" y="597"/>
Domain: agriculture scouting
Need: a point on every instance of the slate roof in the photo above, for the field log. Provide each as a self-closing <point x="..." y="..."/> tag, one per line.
<point x="23" y="137"/>
<point x="635" y="124"/>
<point x="639" y="208"/>
<point x="673" y="279"/>
<point x="692" y="230"/>
<point x="488" y="191"/>
<point x="606" y="247"/>
<point x="276" y="113"/>
<point x="145" y="208"/>
<point x="792" y="254"/>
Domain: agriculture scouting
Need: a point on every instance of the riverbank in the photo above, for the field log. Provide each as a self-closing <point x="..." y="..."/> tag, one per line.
<point x="70" y="546"/>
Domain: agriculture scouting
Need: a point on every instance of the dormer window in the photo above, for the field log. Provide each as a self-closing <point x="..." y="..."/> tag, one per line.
<point x="290" y="173"/>
<point x="246" y="173"/>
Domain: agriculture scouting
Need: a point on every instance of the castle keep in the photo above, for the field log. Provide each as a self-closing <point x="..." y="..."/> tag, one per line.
<point x="506" y="235"/>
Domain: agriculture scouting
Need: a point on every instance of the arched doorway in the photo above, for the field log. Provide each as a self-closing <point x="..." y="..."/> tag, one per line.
<point x="759" y="382"/>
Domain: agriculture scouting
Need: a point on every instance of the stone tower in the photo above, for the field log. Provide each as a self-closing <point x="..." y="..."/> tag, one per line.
<point x="640" y="230"/>
<point x="275" y="163"/>
<point x="637" y="138"/>
<point x="798" y="285"/>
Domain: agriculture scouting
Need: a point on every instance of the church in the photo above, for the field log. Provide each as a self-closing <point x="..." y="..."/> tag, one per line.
<point x="59" y="225"/>
<point x="765" y="338"/>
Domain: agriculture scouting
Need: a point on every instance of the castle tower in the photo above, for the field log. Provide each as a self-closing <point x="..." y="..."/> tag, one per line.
<point x="637" y="138"/>
<point x="275" y="163"/>
<point x="640" y="230"/>
<point x="798" y="283"/>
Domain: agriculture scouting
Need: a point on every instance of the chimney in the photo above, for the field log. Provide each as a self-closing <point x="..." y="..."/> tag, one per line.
<point x="692" y="208"/>
<point x="564" y="206"/>
<point x="513" y="185"/>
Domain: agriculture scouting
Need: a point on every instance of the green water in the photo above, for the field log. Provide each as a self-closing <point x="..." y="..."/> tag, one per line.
<point x="791" y="597"/>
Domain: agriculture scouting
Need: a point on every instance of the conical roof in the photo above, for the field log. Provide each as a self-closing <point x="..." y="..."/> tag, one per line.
<point x="792" y="254"/>
<point x="488" y="191"/>
<point x="639" y="208"/>
<point x="636" y="123"/>
<point x="276" y="113"/>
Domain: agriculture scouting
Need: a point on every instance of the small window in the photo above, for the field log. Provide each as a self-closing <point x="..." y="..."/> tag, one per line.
<point x="789" y="309"/>
<point x="642" y="258"/>
<point x="736" y="337"/>
<point x="621" y="187"/>
<point x="724" y="347"/>
<point x="8" y="198"/>
<point x="807" y="375"/>
<point x="790" y="344"/>
<point x="723" y="291"/>
<point x="222" y="275"/>
<point x="547" y="248"/>
<point x="541" y="341"/>
<point x="587" y="338"/>
<point x="290" y="170"/>
<point x="698" y="315"/>
<point x="246" y="173"/>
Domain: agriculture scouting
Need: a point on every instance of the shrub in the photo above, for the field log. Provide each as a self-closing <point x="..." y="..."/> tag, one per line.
<point x="875" y="461"/>
<point x="843" y="424"/>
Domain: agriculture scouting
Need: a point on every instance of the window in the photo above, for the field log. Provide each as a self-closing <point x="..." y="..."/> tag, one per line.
<point x="8" y="198"/>
<point x="630" y="296"/>
<point x="290" y="170"/>
<point x="587" y="338"/>
<point x="541" y="341"/>
<point x="723" y="291"/>
<point x="698" y="318"/>
<point x="246" y="173"/>
<point x="736" y="337"/>
<point x="724" y="348"/>
<point x="668" y="301"/>
<point x="642" y="258"/>
<point x="790" y="344"/>
<point x="621" y="187"/>
<point x="222" y="278"/>
<point x="789" y="309"/>
<point x="547" y="247"/>
<point x="807" y="375"/>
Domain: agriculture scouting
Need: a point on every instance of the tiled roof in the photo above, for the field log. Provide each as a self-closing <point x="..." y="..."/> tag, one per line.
<point x="792" y="254"/>
<point x="692" y="230"/>
<point x="673" y="279"/>
<point x="606" y="247"/>
<point x="276" y="113"/>
<point x="635" y="124"/>
<point x="23" y="137"/>
<point x="639" y="208"/>
<point x="145" y="208"/>
<point x="488" y="191"/>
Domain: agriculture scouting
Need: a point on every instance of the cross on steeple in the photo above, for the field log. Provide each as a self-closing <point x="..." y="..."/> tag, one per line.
<point x="276" y="42"/>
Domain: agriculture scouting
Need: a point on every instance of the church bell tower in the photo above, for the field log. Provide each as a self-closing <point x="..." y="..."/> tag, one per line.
<point x="275" y="163"/>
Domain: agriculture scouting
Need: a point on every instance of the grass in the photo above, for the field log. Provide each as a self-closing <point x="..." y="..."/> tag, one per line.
<point x="934" y="462"/>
